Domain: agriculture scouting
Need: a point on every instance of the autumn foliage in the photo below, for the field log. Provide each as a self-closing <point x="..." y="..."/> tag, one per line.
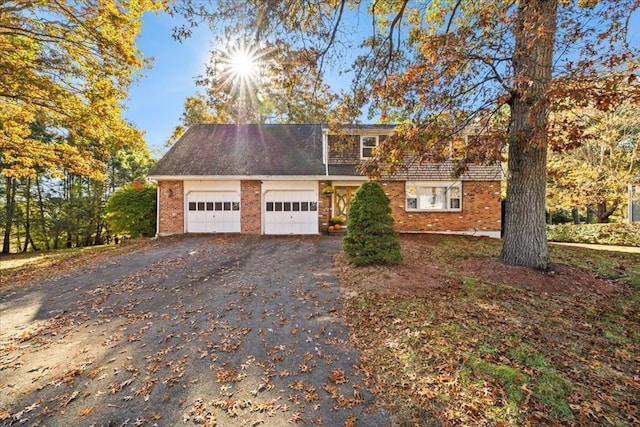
<point x="68" y="66"/>
<point x="438" y="68"/>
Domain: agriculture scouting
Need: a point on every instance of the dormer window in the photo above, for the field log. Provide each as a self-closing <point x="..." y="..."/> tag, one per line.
<point x="367" y="146"/>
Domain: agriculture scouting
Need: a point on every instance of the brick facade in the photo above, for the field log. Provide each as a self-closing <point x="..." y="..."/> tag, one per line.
<point x="480" y="210"/>
<point x="250" y="207"/>
<point x="324" y="206"/>
<point x="171" y="207"/>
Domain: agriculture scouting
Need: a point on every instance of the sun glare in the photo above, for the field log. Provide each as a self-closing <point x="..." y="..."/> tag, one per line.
<point x="242" y="63"/>
<point x="242" y="73"/>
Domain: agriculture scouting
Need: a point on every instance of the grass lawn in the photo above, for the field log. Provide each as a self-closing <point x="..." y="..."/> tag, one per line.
<point x="452" y="337"/>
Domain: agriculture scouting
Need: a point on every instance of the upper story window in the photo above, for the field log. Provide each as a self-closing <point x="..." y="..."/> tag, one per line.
<point x="458" y="147"/>
<point x="434" y="196"/>
<point x="367" y="146"/>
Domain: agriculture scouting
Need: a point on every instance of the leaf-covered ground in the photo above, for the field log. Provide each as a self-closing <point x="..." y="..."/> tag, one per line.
<point x="197" y="330"/>
<point x="247" y="331"/>
<point x="453" y="337"/>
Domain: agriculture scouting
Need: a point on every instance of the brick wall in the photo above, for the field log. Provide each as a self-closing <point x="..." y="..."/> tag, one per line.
<point x="324" y="206"/>
<point x="250" y="207"/>
<point x="171" y="207"/>
<point x="480" y="210"/>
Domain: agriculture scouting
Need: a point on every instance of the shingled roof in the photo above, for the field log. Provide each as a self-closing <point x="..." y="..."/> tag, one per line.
<point x="244" y="150"/>
<point x="281" y="150"/>
<point x="413" y="171"/>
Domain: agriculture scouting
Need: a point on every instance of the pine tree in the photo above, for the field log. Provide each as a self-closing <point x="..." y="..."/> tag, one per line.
<point x="370" y="237"/>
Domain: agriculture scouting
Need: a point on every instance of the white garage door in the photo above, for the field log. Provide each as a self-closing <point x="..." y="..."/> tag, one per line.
<point x="291" y="212"/>
<point x="213" y="212"/>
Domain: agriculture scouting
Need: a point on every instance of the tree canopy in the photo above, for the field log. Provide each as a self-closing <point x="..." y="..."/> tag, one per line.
<point x="594" y="175"/>
<point x="65" y="69"/>
<point x="438" y="66"/>
<point x="254" y="73"/>
<point x="67" y="66"/>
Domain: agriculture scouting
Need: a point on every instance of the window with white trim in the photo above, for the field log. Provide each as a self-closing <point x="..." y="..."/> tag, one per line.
<point x="458" y="147"/>
<point x="434" y="196"/>
<point x="367" y="146"/>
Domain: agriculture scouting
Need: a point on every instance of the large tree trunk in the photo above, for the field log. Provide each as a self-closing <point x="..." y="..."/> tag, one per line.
<point x="12" y="185"/>
<point x="525" y="238"/>
<point x="603" y="213"/>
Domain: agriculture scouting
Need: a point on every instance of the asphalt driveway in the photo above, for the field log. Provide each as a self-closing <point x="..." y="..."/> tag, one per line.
<point x="228" y="331"/>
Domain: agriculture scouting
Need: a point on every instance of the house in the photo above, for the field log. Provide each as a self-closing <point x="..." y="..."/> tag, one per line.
<point x="291" y="179"/>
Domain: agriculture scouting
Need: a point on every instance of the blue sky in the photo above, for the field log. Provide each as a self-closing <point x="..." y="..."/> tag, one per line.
<point x="156" y="101"/>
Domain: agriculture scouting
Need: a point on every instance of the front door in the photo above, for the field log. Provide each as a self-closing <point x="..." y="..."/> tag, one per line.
<point x="342" y="198"/>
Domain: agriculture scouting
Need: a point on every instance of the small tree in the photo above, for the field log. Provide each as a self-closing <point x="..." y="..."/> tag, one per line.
<point x="370" y="237"/>
<point x="132" y="210"/>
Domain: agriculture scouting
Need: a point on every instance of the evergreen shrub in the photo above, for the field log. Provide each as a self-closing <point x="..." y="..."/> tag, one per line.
<point x="370" y="237"/>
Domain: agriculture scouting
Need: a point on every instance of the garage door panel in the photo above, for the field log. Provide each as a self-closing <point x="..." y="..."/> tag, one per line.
<point x="291" y="212"/>
<point x="213" y="212"/>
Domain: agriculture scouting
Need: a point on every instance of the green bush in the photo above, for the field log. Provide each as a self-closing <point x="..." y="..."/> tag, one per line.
<point x="370" y="237"/>
<point x="559" y="216"/>
<point x="131" y="211"/>
<point x="623" y="234"/>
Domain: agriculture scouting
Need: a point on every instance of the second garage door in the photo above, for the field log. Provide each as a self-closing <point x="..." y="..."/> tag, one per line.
<point x="290" y="212"/>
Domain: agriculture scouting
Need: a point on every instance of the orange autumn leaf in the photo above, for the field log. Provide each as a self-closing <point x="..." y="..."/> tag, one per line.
<point x="86" y="411"/>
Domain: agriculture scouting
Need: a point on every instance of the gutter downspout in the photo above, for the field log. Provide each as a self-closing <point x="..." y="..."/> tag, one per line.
<point x="325" y="149"/>
<point x="157" y="208"/>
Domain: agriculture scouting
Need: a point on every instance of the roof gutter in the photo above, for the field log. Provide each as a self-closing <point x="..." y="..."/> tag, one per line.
<point x="157" y="178"/>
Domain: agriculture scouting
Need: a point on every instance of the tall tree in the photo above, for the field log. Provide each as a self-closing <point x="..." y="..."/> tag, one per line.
<point x="525" y="238"/>
<point x="67" y="66"/>
<point x="442" y="65"/>
<point x="595" y="174"/>
<point x="465" y="61"/>
<point x="196" y="110"/>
